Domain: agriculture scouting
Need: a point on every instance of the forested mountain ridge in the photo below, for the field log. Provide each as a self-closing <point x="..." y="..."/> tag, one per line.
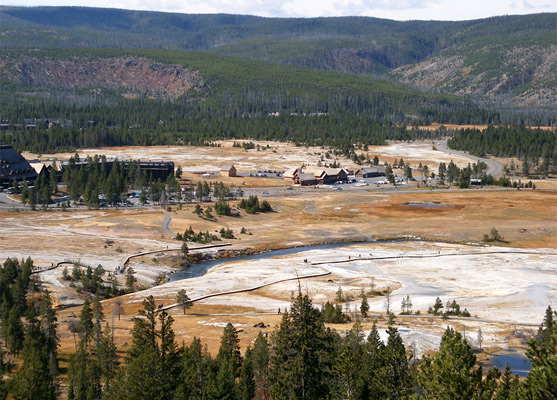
<point x="125" y="97"/>
<point x="227" y="86"/>
<point x="508" y="60"/>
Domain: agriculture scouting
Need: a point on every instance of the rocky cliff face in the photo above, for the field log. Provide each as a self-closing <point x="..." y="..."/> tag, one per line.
<point x="131" y="76"/>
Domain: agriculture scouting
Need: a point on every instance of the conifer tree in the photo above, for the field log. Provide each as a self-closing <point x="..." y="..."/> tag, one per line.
<point x="85" y="324"/>
<point x="151" y="368"/>
<point x="197" y="373"/>
<point x="348" y="363"/>
<point x="364" y="306"/>
<point x="260" y="361"/>
<point x="397" y="379"/>
<point x="34" y="380"/>
<point x="107" y="359"/>
<point x="300" y="362"/>
<point x="541" y="382"/>
<point x="246" y="383"/>
<point x="229" y="363"/>
<point x="371" y="380"/>
<point x="450" y="373"/>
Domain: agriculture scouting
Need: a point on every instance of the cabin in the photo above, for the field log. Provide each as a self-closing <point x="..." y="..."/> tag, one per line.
<point x="13" y="166"/>
<point x="291" y="174"/>
<point x="228" y="170"/>
<point x="328" y="175"/>
<point x="370" y="172"/>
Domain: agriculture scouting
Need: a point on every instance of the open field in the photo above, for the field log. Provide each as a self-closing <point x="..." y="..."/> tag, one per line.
<point x="272" y="155"/>
<point x="501" y="289"/>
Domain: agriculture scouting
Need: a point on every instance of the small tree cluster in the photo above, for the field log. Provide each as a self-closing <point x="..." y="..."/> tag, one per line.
<point x="406" y="306"/>
<point x="494" y="236"/>
<point x="91" y="280"/>
<point x="252" y="206"/>
<point x="453" y="308"/>
<point x="200" y="237"/>
<point x="332" y="313"/>
<point x="226" y="233"/>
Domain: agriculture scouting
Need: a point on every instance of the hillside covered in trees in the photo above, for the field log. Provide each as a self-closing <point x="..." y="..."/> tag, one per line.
<point x="503" y="59"/>
<point x="193" y="98"/>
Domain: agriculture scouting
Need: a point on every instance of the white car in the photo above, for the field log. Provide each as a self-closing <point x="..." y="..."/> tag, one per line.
<point x="362" y="184"/>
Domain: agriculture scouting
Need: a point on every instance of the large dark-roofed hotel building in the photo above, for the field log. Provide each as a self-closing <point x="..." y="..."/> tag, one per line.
<point x="13" y="166"/>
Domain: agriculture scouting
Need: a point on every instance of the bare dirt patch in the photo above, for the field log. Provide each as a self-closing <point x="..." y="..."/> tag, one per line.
<point x="132" y="75"/>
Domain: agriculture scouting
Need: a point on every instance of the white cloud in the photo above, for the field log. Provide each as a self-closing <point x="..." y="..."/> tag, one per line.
<point x="391" y="9"/>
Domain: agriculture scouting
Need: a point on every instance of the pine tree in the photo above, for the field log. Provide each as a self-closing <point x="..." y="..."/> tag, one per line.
<point x="300" y="361"/>
<point x="48" y="326"/>
<point x="364" y="306"/>
<point x="370" y="384"/>
<point x="97" y="313"/>
<point x="183" y="300"/>
<point x="107" y="359"/>
<point x="541" y="382"/>
<point x="260" y="361"/>
<point x="34" y="380"/>
<point x="228" y="363"/>
<point x="85" y="324"/>
<point x="13" y="332"/>
<point x="246" y="383"/>
<point x="152" y="366"/>
<point x="197" y="373"/>
<point x="450" y="373"/>
<point x="348" y="364"/>
<point x="397" y="378"/>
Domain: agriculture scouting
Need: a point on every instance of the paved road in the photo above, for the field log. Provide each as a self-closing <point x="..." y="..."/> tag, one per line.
<point x="493" y="168"/>
<point x="166" y="222"/>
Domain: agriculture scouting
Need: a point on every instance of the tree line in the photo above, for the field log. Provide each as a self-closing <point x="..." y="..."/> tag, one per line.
<point x="508" y="141"/>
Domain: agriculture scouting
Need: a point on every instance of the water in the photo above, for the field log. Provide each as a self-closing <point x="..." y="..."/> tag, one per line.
<point x="518" y="364"/>
<point x="424" y="204"/>
<point x="201" y="268"/>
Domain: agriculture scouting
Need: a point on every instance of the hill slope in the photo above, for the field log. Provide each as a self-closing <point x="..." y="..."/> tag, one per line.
<point x="505" y="59"/>
<point x="145" y="97"/>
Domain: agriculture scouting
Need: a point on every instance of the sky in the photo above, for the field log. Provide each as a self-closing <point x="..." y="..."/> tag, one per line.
<point x="402" y="10"/>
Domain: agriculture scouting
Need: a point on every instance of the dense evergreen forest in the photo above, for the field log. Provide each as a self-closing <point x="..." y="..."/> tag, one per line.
<point x="301" y="359"/>
<point x="517" y="141"/>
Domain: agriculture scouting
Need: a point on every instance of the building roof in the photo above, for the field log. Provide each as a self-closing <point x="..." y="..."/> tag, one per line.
<point x="368" y="170"/>
<point x="14" y="166"/>
<point x="291" y="173"/>
<point x="308" y="176"/>
<point x="227" y="167"/>
<point x="37" y="166"/>
<point x="321" y="172"/>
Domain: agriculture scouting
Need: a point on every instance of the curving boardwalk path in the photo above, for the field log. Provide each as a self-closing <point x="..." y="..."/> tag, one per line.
<point x="432" y="256"/>
<point x="128" y="258"/>
<point x="251" y="289"/>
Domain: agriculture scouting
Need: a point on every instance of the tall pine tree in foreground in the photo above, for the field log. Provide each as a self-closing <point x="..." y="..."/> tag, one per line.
<point x="37" y="378"/>
<point x="302" y="349"/>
